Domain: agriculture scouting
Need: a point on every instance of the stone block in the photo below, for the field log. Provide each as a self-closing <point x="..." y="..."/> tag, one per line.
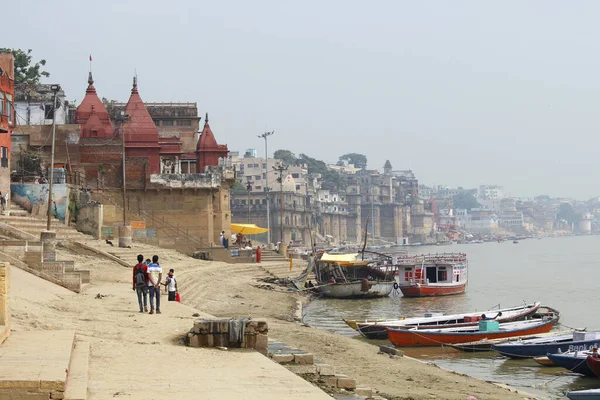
<point x="304" y="358"/>
<point x="363" y="391"/>
<point x="390" y="349"/>
<point x="251" y="326"/>
<point x="57" y="395"/>
<point x="250" y="341"/>
<point x="195" y="341"/>
<point x="262" y="326"/>
<point x="346" y="383"/>
<point x="330" y="381"/>
<point x="325" y="370"/>
<point x="262" y="344"/>
<point x="283" y="358"/>
<point x="220" y="339"/>
<point x="205" y="326"/>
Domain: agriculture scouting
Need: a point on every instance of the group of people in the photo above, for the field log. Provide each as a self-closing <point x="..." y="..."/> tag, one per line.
<point x="147" y="278"/>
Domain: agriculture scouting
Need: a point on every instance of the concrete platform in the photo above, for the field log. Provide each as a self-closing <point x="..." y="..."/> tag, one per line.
<point x="35" y="362"/>
<point x="77" y="380"/>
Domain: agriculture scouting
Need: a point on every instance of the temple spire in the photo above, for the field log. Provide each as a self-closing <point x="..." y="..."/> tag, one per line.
<point x="134" y="89"/>
<point x="206" y="119"/>
<point x="90" y="88"/>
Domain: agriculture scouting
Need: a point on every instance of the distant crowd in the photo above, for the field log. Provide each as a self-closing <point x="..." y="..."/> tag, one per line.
<point x="147" y="278"/>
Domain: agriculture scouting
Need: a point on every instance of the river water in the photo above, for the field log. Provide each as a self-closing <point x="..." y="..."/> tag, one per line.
<point x="560" y="272"/>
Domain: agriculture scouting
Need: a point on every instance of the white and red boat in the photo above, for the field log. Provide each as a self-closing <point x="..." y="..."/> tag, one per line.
<point x="432" y="274"/>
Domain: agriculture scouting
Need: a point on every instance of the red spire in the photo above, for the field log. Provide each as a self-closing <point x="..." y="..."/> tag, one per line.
<point x="91" y="104"/>
<point x="141" y="126"/>
<point x="207" y="150"/>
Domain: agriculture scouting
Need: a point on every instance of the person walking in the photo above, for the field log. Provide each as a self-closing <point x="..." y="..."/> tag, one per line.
<point x="222" y="238"/>
<point x="171" y="284"/>
<point x="140" y="282"/>
<point x="154" y="278"/>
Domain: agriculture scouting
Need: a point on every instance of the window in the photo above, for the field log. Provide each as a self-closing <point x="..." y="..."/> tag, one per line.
<point x="295" y="176"/>
<point x="9" y="111"/>
<point x="93" y="133"/>
<point x="264" y="176"/>
<point x="297" y="187"/>
<point x="184" y="122"/>
<point x="258" y="187"/>
<point x="49" y="111"/>
<point x="156" y="122"/>
<point x="167" y="122"/>
<point x="1" y="103"/>
<point x="4" y="159"/>
<point x="257" y="177"/>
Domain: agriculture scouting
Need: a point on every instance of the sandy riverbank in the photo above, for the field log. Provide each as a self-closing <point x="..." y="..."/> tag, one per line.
<point x="121" y="338"/>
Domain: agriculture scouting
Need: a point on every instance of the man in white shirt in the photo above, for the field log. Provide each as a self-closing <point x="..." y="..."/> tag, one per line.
<point x="154" y="278"/>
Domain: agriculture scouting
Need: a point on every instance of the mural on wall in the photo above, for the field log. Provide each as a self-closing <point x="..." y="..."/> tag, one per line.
<point x="29" y="195"/>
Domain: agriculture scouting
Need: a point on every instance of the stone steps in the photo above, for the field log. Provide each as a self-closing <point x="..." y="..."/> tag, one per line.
<point x="77" y="378"/>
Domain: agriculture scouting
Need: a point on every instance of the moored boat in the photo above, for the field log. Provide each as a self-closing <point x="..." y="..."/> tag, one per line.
<point x="432" y="274"/>
<point x="544" y="361"/>
<point x="593" y="363"/>
<point x="375" y="329"/>
<point x="485" y="330"/>
<point x="573" y="361"/>
<point x="486" y="344"/>
<point x="345" y="276"/>
<point x="589" y="394"/>
<point x="576" y="341"/>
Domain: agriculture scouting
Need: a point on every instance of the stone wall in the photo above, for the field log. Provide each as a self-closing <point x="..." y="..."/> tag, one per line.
<point x="215" y="333"/>
<point x="90" y="220"/>
<point x="4" y="306"/>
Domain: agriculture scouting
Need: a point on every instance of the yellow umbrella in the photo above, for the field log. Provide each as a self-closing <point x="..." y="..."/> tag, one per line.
<point x="247" y="229"/>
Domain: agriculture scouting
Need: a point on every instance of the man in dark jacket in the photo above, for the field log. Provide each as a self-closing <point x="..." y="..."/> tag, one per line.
<point x="140" y="282"/>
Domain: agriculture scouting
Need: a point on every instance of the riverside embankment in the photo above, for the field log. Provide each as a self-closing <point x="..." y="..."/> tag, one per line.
<point x="123" y="341"/>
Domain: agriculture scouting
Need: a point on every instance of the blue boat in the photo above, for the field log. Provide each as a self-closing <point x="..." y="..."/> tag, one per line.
<point x="590" y="394"/>
<point x="573" y="361"/>
<point x="577" y="341"/>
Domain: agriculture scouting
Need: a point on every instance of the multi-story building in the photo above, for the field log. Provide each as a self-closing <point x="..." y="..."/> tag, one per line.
<point x="490" y="192"/>
<point x="34" y="105"/>
<point x="7" y="118"/>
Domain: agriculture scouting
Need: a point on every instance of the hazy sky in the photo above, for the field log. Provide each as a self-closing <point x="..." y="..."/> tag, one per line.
<point x="461" y="92"/>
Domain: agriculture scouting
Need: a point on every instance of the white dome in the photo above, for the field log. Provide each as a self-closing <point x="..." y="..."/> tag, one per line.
<point x="289" y="184"/>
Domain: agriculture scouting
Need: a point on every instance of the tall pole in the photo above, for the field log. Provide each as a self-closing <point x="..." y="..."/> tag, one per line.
<point x="123" y="118"/>
<point x="280" y="168"/>
<point x="265" y="136"/>
<point x="372" y="216"/>
<point x="55" y="89"/>
<point x="249" y="188"/>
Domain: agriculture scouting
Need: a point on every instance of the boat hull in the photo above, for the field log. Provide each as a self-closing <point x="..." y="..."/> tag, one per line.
<point x="590" y="394"/>
<point x="356" y="290"/>
<point x="593" y="364"/>
<point x="428" y="290"/>
<point x="415" y="338"/>
<point x="573" y="363"/>
<point x="538" y="350"/>
<point x="376" y="329"/>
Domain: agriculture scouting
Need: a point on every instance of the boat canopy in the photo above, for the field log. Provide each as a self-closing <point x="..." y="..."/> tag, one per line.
<point x="344" y="260"/>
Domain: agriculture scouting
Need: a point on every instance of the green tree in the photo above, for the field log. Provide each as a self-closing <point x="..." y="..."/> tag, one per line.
<point x="465" y="200"/>
<point x="359" y="160"/>
<point x="238" y="188"/>
<point x="566" y="212"/>
<point x="286" y="156"/>
<point x="331" y="179"/>
<point x="26" y="71"/>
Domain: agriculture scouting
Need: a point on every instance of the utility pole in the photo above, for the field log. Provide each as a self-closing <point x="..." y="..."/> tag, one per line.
<point x="123" y="118"/>
<point x="249" y="189"/>
<point x="372" y="216"/>
<point x="280" y="168"/>
<point x="55" y="89"/>
<point x="265" y="136"/>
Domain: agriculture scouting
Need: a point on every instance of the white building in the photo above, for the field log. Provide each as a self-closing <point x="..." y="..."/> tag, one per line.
<point x="477" y="221"/>
<point x="251" y="170"/>
<point x="490" y="192"/>
<point x="35" y="106"/>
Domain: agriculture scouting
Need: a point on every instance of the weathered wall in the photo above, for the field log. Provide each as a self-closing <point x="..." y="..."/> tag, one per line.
<point x="34" y="198"/>
<point x="90" y="219"/>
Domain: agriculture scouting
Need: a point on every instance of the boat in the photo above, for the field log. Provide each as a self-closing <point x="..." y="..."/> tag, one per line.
<point x="573" y="361"/>
<point x="544" y="361"/>
<point x="486" y="344"/>
<point x="345" y="276"/>
<point x="485" y="330"/>
<point x="375" y="329"/>
<point x="593" y="363"/>
<point x="589" y="394"/>
<point x="432" y="274"/>
<point x="576" y="341"/>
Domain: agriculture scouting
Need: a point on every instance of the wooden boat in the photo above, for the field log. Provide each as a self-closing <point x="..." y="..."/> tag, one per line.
<point x="590" y="394"/>
<point x="544" y="361"/>
<point x="573" y="361"/>
<point x="485" y="330"/>
<point x="593" y="363"/>
<point x="432" y="274"/>
<point x="375" y="329"/>
<point x="345" y="276"/>
<point x="576" y="341"/>
<point x="486" y="344"/>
